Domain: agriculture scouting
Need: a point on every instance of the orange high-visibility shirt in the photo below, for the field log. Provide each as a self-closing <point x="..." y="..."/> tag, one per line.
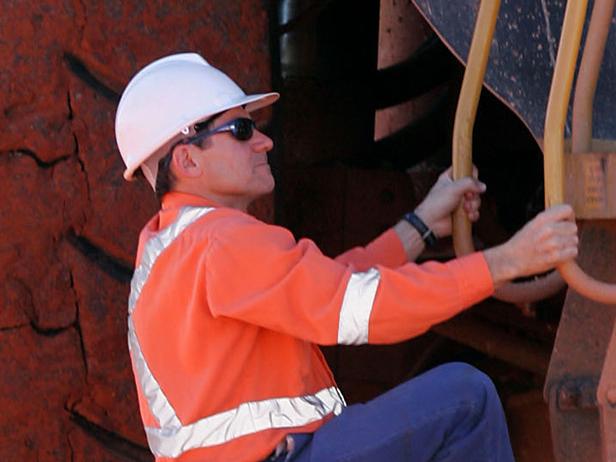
<point x="226" y="312"/>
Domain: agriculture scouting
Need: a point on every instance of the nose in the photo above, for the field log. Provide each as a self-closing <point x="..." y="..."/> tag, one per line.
<point x="260" y="142"/>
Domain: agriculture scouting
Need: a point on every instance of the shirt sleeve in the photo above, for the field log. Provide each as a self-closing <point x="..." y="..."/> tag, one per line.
<point x="259" y="274"/>
<point x="386" y="250"/>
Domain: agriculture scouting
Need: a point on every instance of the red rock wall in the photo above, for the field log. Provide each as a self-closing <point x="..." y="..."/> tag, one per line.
<point x="68" y="221"/>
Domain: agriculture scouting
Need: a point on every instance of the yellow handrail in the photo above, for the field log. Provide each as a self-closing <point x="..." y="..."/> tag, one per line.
<point x="462" y="149"/>
<point x="462" y="157"/>
<point x="588" y="75"/>
<point x="556" y="115"/>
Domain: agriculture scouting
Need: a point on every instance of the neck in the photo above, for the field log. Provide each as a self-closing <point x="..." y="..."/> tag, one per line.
<point x="234" y="202"/>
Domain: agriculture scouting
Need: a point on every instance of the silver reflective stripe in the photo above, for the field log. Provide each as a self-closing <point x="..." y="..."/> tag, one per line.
<point x="245" y="419"/>
<point x="357" y="307"/>
<point x="155" y="247"/>
<point x="157" y="401"/>
<point x="173" y="438"/>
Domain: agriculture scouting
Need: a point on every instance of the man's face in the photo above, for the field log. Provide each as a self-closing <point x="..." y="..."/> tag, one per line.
<point x="235" y="172"/>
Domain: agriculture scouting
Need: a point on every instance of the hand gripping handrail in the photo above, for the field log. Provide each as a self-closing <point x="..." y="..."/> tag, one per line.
<point x="556" y="115"/>
<point x="525" y="292"/>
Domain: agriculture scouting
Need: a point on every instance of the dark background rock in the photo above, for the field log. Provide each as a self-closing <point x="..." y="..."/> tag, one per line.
<point x="69" y="222"/>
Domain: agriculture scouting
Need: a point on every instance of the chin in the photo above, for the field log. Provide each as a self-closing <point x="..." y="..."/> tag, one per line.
<point x="269" y="186"/>
<point x="263" y="190"/>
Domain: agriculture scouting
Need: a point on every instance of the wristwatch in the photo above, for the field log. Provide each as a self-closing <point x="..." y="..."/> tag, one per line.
<point x="426" y="233"/>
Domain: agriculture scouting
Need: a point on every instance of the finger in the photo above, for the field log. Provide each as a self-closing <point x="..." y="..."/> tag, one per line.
<point x="557" y="232"/>
<point x="475" y="172"/>
<point x="563" y="254"/>
<point x="559" y="212"/>
<point x="471" y="205"/>
<point x="554" y="235"/>
<point x="473" y="216"/>
<point x="565" y="228"/>
<point x="560" y="241"/>
<point x="468" y="184"/>
<point x="448" y="174"/>
<point x="472" y="199"/>
<point x="559" y="248"/>
<point x="570" y="253"/>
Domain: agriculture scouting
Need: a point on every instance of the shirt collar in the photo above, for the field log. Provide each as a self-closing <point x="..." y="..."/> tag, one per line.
<point x="175" y="200"/>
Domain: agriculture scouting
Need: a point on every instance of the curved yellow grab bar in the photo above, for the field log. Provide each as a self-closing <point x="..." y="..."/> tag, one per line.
<point x="588" y="75"/>
<point x="556" y="115"/>
<point x="462" y="149"/>
<point x="462" y="153"/>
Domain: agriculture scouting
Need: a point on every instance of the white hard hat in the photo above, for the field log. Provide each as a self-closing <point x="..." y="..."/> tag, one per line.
<point x="165" y="99"/>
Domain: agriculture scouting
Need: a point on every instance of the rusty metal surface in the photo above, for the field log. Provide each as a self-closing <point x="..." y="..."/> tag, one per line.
<point x="496" y="342"/>
<point x="606" y="399"/>
<point x="526" y="37"/>
<point x="579" y="353"/>
<point x="590" y="184"/>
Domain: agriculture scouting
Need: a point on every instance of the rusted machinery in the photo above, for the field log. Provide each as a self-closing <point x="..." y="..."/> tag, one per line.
<point x="581" y="382"/>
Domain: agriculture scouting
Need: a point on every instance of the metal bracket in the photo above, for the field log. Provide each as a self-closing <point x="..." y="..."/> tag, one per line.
<point x="590" y="184"/>
<point x="577" y="393"/>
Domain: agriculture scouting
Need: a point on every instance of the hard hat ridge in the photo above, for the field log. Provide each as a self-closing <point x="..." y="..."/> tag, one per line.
<point x="165" y="99"/>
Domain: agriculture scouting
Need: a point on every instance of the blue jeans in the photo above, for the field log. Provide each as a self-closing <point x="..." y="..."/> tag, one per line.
<point x="450" y="413"/>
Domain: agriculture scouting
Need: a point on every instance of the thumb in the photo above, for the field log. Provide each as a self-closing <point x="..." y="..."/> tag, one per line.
<point x="468" y="184"/>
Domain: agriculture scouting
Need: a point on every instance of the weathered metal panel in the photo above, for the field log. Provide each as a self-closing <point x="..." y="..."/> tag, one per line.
<point x="579" y="352"/>
<point x="526" y="37"/>
<point x="606" y="399"/>
<point x="590" y="184"/>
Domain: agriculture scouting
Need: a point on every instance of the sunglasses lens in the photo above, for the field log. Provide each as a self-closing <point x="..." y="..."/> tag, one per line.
<point x="242" y="129"/>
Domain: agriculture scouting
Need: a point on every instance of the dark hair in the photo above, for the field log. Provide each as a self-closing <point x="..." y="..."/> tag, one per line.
<point x="165" y="179"/>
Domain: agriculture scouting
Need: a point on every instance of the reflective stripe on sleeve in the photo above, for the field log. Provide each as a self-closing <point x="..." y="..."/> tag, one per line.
<point x="357" y="307"/>
<point x="173" y="438"/>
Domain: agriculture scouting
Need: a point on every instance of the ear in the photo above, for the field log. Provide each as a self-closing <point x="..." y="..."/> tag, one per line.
<point x="183" y="163"/>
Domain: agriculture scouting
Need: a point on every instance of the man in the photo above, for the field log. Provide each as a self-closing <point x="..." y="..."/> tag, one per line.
<point x="226" y="312"/>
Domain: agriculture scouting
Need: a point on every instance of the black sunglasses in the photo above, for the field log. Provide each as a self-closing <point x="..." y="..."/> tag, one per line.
<point x="241" y="129"/>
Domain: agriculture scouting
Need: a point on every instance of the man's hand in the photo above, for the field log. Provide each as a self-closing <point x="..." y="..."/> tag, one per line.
<point x="542" y="244"/>
<point x="445" y="196"/>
